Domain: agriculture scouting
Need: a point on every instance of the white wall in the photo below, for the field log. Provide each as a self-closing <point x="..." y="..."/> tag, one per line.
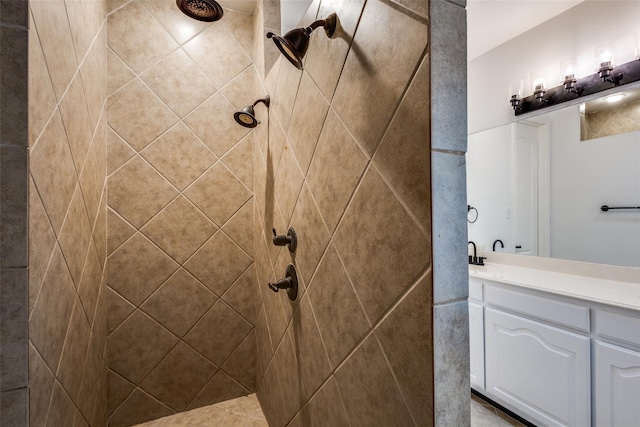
<point x="584" y="176"/>
<point x="291" y="11"/>
<point x="575" y="32"/>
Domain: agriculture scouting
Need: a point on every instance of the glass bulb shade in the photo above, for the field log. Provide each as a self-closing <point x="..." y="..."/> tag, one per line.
<point x="604" y="56"/>
<point x="538" y="84"/>
<point x="516" y="88"/>
<point x="567" y="69"/>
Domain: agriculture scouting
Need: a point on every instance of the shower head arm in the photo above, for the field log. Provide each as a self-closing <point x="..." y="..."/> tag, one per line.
<point x="266" y="101"/>
<point x="329" y="24"/>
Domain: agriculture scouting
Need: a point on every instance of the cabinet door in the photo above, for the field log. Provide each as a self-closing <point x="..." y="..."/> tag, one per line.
<point x="617" y="386"/>
<point x="476" y="345"/>
<point x="540" y="372"/>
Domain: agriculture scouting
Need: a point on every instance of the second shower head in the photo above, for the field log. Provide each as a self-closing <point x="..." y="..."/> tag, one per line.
<point x="202" y="10"/>
<point x="247" y="116"/>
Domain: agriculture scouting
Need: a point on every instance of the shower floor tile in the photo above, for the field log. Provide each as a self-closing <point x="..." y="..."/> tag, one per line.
<point x="241" y="412"/>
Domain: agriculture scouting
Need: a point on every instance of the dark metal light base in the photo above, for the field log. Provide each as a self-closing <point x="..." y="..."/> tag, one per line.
<point x="623" y="74"/>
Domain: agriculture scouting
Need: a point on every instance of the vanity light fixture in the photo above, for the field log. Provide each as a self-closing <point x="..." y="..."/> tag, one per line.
<point x="605" y="64"/>
<point x="569" y="76"/>
<point x="294" y="43"/>
<point x="538" y="83"/>
<point x="247" y="116"/>
<point x="515" y="93"/>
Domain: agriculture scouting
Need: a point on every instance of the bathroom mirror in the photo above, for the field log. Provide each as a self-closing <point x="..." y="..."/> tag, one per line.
<point x="538" y="185"/>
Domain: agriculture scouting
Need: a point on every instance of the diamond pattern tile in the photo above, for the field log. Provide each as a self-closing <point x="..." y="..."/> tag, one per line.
<point x="240" y="296"/>
<point x="241" y="364"/>
<point x="119" y="390"/>
<point x="168" y="305"/>
<point x="240" y="160"/>
<point x="138" y="408"/>
<point x="179" y="377"/>
<point x="214" y="43"/>
<point x="179" y="82"/>
<point x="218" y="263"/>
<point x="118" y="152"/>
<point x="239" y="225"/>
<point x="179" y="229"/>
<point x="137" y="115"/>
<point x="375" y="207"/>
<point x="241" y="91"/>
<point x="119" y="309"/>
<point x="137" y="346"/>
<point x="137" y="37"/>
<point x="119" y="73"/>
<point x="221" y="388"/>
<point x="137" y="280"/>
<point x="230" y="329"/>
<point x="138" y="192"/>
<point x="220" y="134"/>
<point x="218" y="193"/>
<point x="75" y="236"/>
<point x="75" y="117"/>
<point x="119" y="231"/>
<point x="179" y="156"/>
<point x="179" y="25"/>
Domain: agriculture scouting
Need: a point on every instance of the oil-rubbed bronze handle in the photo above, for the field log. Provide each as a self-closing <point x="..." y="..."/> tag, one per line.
<point x="290" y="240"/>
<point x="289" y="283"/>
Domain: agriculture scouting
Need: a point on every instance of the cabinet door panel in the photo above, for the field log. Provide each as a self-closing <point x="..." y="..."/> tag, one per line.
<point x="617" y="386"/>
<point x="538" y="371"/>
<point x="476" y="345"/>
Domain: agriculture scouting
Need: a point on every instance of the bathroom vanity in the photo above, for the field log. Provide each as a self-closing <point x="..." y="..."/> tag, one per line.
<point x="557" y="342"/>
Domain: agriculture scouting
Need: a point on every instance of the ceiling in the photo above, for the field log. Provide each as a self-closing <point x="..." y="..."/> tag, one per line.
<point x="492" y="22"/>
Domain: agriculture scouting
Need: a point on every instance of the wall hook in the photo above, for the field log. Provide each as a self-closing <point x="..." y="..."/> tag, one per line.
<point x="289" y="283"/>
<point x="290" y="240"/>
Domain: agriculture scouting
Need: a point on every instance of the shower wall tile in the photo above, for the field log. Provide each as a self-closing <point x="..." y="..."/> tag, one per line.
<point x="218" y="193"/>
<point x="332" y="297"/>
<point x="241" y="364"/>
<point x="221" y="388"/>
<point x="119" y="231"/>
<point x="178" y="377"/>
<point x="179" y="156"/>
<point x="213" y="44"/>
<point x="119" y="390"/>
<point x="139" y="407"/>
<point x="179" y="229"/>
<point x="138" y="192"/>
<point x="307" y="119"/>
<point x="365" y="379"/>
<point x="221" y="136"/>
<point x="179" y="82"/>
<point x="119" y="73"/>
<point x="380" y="30"/>
<point x="230" y="329"/>
<point x="67" y="206"/>
<point x="237" y="226"/>
<point x="134" y="280"/>
<point x="176" y="23"/>
<point x="236" y="160"/>
<point x="332" y="191"/>
<point x="240" y="25"/>
<point x="325" y="57"/>
<point x="374" y="207"/>
<point x="354" y="180"/>
<point x="138" y="115"/>
<point x="137" y="346"/>
<point x="54" y="34"/>
<point x="118" y="151"/>
<point x="53" y="171"/>
<point x="243" y="91"/>
<point x="167" y="304"/>
<point x="137" y="37"/>
<point x="403" y="157"/>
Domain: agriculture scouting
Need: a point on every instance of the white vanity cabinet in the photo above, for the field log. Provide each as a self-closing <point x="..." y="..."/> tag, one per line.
<point x="617" y="370"/>
<point x="476" y="335"/>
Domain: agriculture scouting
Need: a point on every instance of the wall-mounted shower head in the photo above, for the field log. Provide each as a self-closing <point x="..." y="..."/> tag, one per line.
<point x="293" y="45"/>
<point x="247" y="116"/>
<point x="202" y="10"/>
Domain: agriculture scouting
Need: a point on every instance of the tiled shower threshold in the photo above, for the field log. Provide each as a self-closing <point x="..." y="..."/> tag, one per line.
<point x="246" y="412"/>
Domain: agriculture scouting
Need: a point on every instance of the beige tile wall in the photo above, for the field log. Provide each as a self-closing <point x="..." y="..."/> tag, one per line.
<point x="344" y="159"/>
<point x="67" y="213"/>
<point x="180" y="269"/>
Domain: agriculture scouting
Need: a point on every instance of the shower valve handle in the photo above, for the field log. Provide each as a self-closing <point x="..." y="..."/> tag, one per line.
<point x="281" y="284"/>
<point x="290" y="240"/>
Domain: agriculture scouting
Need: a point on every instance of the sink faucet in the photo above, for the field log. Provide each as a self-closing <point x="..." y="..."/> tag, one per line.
<point x="494" y="244"/>
<point x="475" y="259"/>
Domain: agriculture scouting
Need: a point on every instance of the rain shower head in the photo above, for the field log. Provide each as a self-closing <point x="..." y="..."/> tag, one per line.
<point x="247" y="116"/>
<point x="202" y="10"/>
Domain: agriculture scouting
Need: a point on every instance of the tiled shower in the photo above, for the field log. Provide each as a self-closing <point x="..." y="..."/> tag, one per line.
<point x="151" y="214"/>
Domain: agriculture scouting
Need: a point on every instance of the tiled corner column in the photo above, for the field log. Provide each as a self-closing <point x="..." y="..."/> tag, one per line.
<point x="14" y="396"/>
<point x="448" y="174"/>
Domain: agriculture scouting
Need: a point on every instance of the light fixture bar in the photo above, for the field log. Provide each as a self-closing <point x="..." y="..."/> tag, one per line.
<point x="629" y="72"/>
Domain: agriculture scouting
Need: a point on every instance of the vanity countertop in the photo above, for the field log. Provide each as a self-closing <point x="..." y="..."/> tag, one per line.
<point x="620" y="293"/>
